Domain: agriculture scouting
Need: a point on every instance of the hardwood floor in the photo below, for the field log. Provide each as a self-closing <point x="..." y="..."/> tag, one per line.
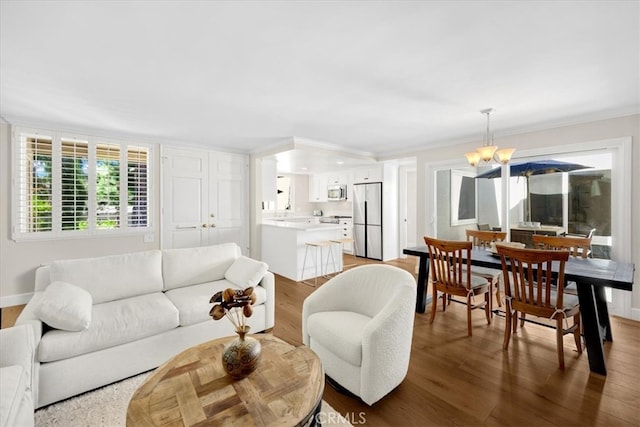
<point x="458" y="380"/>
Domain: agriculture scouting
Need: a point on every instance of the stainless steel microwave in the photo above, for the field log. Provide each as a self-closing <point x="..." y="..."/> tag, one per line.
<point x="337" y="192"/>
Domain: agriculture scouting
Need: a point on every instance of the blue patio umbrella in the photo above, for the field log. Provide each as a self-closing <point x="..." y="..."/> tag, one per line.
<point x="536" y="167"/>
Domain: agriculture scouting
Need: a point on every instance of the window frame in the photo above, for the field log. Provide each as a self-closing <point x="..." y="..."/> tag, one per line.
<point x="621" y="173"/>
<point x="92" y="231"/>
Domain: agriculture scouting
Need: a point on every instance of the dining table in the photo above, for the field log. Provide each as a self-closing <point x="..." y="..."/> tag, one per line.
<point x="591" y="275"/>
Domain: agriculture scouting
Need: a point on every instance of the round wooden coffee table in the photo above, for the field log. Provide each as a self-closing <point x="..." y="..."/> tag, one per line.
<point x="193" y="388"/>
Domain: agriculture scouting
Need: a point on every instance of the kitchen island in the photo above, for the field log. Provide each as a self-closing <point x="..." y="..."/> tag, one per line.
<point x="283" y="247"/>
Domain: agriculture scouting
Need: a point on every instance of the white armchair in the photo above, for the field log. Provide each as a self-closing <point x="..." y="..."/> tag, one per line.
<point x="360" y="324"/>
<point x="17" y="352"/>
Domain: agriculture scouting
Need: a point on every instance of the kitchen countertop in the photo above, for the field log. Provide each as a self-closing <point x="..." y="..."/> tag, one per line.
<point x="300" y="225"/>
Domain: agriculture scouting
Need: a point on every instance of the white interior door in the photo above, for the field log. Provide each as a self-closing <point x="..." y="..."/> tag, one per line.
<point x="407" y="207"/>
<point x="204" y="198"/>
<point x="228" y="199"/>
<point x="185" y="181"/>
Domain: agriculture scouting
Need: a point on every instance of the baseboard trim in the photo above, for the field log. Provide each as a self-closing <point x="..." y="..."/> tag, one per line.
<point x="635" y="314"/>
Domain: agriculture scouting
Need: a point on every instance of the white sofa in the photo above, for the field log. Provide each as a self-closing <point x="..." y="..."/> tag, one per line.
<point x="17" y="351"/>
<point x="117" y="316"/>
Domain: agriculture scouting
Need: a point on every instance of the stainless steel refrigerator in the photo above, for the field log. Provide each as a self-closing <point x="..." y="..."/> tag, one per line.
<point x="367" y="220"/>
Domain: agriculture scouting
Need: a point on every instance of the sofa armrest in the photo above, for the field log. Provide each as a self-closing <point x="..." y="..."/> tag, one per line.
<point x="268" y="282"/>
<point x="28" y="316"/>
<point x="17" y="361"/>
<point x="18" y="347"/>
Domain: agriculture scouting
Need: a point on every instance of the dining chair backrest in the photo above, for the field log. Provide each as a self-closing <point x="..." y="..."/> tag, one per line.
<point x="578" y="247"/>
<point x="450" y="262"/>
<point x="483" y="238"/>
<point x="588" y="235"/>
<point x="533" y="286"/>
<point x="529" y="281"/>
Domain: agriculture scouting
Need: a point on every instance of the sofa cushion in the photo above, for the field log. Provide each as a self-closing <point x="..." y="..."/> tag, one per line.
<point x="65" y="306"/>
<point x="115" y="277"/>
<point x="192" y="266"/>
<point x="193" y="301"/>
<point x="14" y="384"/>
<point x="246" y="272"/>
<point x="340" y="332"/>
<point x="112" y="323"/>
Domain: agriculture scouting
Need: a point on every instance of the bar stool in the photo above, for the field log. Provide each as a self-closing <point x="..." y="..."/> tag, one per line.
<point x="344" y="241"/>
<point x="317" y="246"/>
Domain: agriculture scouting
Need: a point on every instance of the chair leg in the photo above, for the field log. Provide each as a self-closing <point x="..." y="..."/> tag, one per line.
<point x="434" y="304"/>
<point x="487" y="306"/>
<point x="577" y="333"/>
<point x="498" y="296"/>
<point x="514" y="322"/>
<point x="559" y="341"/>
<point x="469" y="332"/>
<point x="445" y="299"/>
<point x="507" y="326"/>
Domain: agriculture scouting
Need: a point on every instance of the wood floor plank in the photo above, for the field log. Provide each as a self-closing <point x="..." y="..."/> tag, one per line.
<point x="467" y="381"/>
<point x="455" y="380"/>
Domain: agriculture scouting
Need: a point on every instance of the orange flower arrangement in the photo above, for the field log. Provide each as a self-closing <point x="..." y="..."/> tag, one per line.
<point x="235" y="304"/>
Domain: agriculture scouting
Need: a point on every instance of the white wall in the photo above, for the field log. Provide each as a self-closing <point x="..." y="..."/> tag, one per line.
<point x="18" y="260"/>
<point x="627" y="126"/>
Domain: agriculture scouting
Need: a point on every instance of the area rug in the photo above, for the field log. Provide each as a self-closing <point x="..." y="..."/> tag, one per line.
<point x="107" y="407"/>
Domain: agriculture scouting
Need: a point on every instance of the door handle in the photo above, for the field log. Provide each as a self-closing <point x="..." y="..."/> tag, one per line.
<point x="181" y="227"/>
<point x="205" y="225"/>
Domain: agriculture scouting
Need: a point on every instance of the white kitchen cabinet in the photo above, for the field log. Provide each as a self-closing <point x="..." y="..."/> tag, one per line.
<point x="338" y="178"/>
<point x="318" y="188"/>
<point x="368" y="174"/>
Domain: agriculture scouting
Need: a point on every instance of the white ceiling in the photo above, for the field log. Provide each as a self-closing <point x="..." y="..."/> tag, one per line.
<point x="376" y="78"/>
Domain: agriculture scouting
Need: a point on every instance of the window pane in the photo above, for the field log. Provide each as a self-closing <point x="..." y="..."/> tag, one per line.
<point x="107" y="186"/>
<point x="35" y="196"/>
<point x="137" y="187"/>
<point x="74" y="184"/>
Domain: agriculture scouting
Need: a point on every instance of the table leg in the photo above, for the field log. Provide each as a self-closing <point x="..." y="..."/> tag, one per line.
<point x="591" y="328"/>
<point x="603" y="312"/>
<point x="423" y="279"/>
<point x="315" y="419"/>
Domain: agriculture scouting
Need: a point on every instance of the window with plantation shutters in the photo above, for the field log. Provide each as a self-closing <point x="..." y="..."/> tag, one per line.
<point x="35" y="185"/>
<point x="74" y="184"/>
<point x="78" y="186"/>
<point x="137" y="186"/>
<point x="108" y="186"/>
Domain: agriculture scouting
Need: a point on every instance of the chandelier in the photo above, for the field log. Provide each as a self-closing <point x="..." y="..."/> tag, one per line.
<point x="489" y="151"/>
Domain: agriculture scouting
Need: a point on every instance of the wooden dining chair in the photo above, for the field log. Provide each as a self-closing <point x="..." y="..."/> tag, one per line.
<point x="451" y="275"/>
<point x="531" y="288"/>
<point x="578" y="247"/>
<point x="483" y="238"/>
